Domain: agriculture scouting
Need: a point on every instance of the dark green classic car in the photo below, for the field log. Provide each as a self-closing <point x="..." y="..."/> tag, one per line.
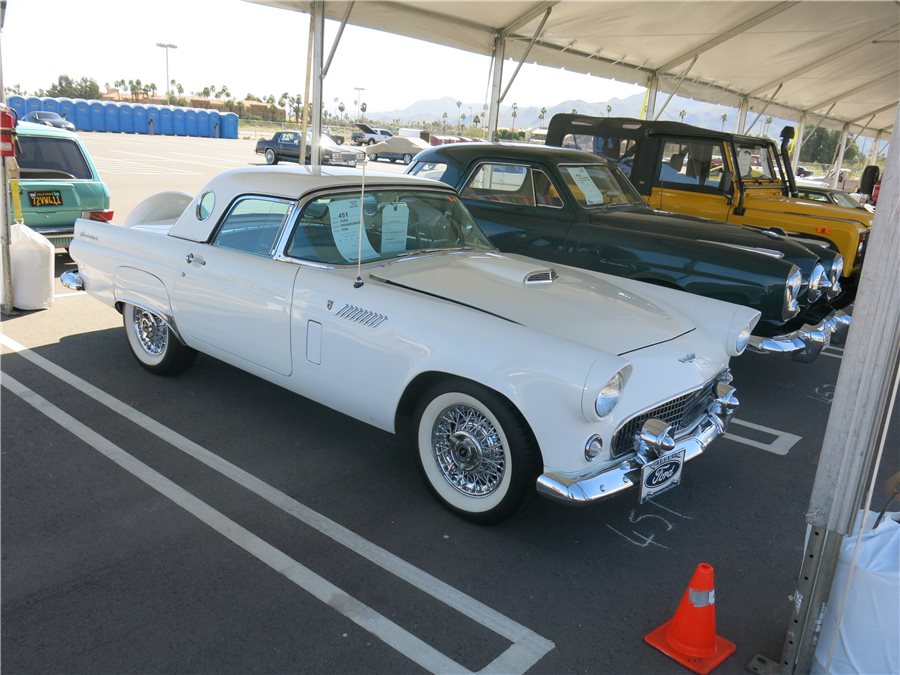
<point x="574" y="208"/>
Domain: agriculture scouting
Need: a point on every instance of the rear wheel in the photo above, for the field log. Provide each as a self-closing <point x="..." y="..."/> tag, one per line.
<point x="476" y="452"/>
<point x="271" y="157"/>
<point x="407" y="158"/>
<point x="153" y="344"/>
<point x="371" y="141"/>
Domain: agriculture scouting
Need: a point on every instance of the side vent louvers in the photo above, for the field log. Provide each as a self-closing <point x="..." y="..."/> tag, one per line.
<point x="360" y="315"/>
<point x="541" y="277"/>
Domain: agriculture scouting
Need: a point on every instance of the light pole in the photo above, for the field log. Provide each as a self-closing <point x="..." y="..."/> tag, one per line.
<point x="358" y="98"/>
<point x="167" y="47"/>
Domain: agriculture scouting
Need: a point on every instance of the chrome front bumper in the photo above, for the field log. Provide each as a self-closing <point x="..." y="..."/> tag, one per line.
<point x="806" y="343"/>
<point x="593" y="485"/>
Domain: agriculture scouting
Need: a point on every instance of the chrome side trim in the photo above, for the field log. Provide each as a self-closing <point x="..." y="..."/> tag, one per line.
<point x="72" y="280"/>
<point x="363" y="316"/>
<point x="752" y="249"/>
<point x="806" y="343"/>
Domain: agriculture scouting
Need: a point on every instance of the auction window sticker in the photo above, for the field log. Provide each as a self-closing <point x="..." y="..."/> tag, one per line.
<point x="345" y="227"/>
<point x="584" y="182"/>
<point x="394" y="223"/>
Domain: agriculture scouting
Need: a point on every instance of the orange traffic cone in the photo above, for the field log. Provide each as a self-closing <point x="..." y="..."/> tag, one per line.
<point x="690" y="636"/>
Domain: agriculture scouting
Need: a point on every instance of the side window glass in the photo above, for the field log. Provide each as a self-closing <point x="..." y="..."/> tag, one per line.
<point x="545" y="193"/>
<point x="692" y="162"/>
<point x="433" y="170"/>
<point x="505" y="183"/>
<point x="252" y="225"/>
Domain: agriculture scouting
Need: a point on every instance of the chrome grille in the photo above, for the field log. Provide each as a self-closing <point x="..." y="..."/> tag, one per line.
<point x="682" y="412"/>
<point x="360" y="315"/>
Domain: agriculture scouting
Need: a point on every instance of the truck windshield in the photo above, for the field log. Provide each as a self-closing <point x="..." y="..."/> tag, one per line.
<point x="756" y="161"/>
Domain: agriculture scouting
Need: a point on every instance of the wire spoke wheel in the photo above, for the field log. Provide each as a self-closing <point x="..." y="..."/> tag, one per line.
<point x="468" y="450"/>
<point x="153" y="343"/>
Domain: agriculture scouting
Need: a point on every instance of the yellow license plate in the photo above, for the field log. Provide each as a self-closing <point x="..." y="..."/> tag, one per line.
<point x="48" y="198"/>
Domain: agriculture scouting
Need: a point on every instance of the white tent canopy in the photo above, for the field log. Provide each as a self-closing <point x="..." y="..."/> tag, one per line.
<point x="836" y="62"/>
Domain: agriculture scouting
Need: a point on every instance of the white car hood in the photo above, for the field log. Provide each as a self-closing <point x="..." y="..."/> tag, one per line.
<point x="587" y="308"/>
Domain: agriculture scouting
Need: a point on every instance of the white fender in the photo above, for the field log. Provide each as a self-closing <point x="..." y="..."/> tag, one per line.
<point x="159" y="208"/>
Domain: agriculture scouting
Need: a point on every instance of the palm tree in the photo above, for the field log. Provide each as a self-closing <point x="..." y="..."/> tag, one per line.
<point x="682" y="114"/>
<point x="362" y="110"/>
<point x="444" y="117"/>
<point x="724" y="119"/>
<point x="341" y="108"/>
<point x="515" y="114"/>
<point x="462" y="121"/>
<point x="574" y="112"/>
<point x="541" y="115"/>
<point x="608" y="109"/>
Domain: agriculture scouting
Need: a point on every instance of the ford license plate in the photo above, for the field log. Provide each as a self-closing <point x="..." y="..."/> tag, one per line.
<point x="661" y="474"/>
<point x="46" y="198"/>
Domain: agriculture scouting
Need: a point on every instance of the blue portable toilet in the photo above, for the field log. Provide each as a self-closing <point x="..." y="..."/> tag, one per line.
<point x="139" y="115"/>
<point x="165" y="121"/>
<point x="178" y="122"/>
<point x="67" y="110"/>
<point x="51" y="105"/>
<point x="126" y="118"/>
<point x="98" y="116"/>
<point x="34" y="104"/>
<point x="229" y="126"/>
<point x="215" y="124"/>
<point x="111" y="116"/>
<point x="153" y="120"/>
<point x="190" y="122"/>
<point x="203" y="128"/>
<point x="19" y="104"/>
<point x="82" y="115"/>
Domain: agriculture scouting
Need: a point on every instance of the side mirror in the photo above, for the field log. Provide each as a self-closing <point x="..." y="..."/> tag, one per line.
<point x="727" y="182"/>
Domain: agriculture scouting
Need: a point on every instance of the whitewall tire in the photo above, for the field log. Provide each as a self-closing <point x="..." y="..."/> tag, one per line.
<point x="152" y="342"/>
<point x="476" y="452"/>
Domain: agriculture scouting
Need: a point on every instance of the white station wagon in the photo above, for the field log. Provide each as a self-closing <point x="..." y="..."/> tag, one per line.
<point x="387" y="303"/>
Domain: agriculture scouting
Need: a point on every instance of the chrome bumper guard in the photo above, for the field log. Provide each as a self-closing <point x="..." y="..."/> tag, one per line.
<point x="654" y="440"/>
<point x="72" y="280"/>
<point x="805" y="344"/>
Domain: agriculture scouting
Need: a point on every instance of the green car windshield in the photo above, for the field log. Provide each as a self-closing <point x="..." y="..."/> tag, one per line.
<point x="395" y="223"/>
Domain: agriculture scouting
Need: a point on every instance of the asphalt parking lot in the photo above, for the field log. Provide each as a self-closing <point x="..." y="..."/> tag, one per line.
<point x="212" y="522"/>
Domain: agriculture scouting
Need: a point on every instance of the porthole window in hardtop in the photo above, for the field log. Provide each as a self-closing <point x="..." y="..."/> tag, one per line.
<point x="252" y="225"/>
<point x="205" y="205"/>
<point x="395" y="223"/>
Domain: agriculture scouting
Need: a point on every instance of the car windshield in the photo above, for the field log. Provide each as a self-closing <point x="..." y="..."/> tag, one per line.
<point x="49" y="158"/>
<point x="396" y="223"/>
<point x="597" y="185"/>
<point x="845" y="199"/>
<point x="756" y="161"/>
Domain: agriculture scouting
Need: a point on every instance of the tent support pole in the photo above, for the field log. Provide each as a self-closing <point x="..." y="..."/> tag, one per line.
<point x="798" y="143"/>
<point x="652" y="91"/>
<point x="317" y="20"/>
<point x="672" y="93"/>
<point x="742" y="115"/>
<point x="842" y="146"/>
<point x="496" y="80"/>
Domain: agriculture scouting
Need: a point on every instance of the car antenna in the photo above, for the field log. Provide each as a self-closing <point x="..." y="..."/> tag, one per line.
<point x="362" y="194"/>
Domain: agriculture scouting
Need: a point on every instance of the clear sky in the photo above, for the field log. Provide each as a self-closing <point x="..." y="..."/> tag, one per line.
<point x="255" y="49"/>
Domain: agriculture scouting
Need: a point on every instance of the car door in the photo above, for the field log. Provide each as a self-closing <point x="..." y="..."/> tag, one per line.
<point x="689" y="178"/>
<point x="289" y="146"/>
<point x="515" y="216"/>
<point x="233" y="298"/>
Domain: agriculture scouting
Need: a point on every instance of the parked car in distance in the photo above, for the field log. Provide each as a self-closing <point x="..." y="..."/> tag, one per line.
<point x="50" y="119"/>
<point x="59" y="182"/>
<point x="714" y="174"/>
<point x="389" y="305"/>
<point x="397" y="148"/>
<point x="366" y="135"/>
<point x="285" y="145"/>
<point x="572" y="207"/>
<point x="817" y="192"/>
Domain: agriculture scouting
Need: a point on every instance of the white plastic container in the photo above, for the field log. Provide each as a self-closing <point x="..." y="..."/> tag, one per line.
<point x="31" y="260"/>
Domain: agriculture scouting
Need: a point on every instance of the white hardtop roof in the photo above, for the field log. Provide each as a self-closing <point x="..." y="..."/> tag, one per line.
<point x="291" y="182"/>
<point x="840" y="60"/>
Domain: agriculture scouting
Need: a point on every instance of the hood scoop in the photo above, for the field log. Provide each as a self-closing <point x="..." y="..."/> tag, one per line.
<point x="540" y="277"/>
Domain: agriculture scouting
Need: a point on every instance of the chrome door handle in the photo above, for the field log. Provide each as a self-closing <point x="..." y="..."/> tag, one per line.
<point x="191" y="258"/>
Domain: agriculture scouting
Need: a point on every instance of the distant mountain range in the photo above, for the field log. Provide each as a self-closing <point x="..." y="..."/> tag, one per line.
<point x="422" y="112"/>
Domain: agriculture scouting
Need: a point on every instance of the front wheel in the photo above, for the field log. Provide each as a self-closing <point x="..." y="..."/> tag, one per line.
<point x="477" y="454"/>
<point x="271" y="157"/>
<point x="153" y="344"/>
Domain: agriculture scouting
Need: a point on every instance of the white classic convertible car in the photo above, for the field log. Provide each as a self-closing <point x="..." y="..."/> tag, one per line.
<point x="387" y="303"/>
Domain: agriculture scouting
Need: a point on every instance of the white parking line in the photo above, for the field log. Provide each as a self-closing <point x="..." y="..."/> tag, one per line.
<point x="527" y="647"/>
<point x="781" y="444"/>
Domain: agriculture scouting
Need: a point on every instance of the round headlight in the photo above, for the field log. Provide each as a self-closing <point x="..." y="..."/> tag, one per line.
<point x="743" y="340"/>
<point x="837" y="269"/>
<point x="609" y="395"/>
<point x="816" y="280"/>
<point x="791" y="291"/>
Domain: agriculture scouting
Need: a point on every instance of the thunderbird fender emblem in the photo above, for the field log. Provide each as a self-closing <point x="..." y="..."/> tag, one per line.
<point x="688" y="358"/>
